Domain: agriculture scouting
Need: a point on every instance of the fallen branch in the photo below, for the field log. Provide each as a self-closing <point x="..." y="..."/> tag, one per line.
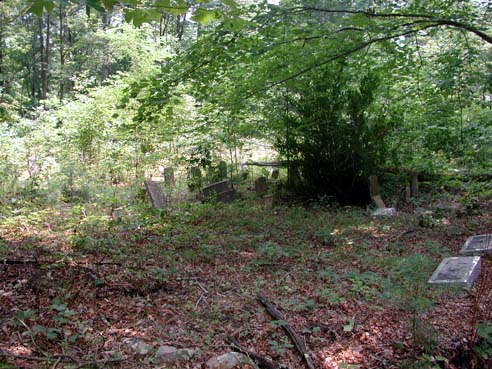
<point x="398" y="236"/>
<point x="259" y="360"/>
<point x="61" y="358"/>
<point x="298" y="342"/>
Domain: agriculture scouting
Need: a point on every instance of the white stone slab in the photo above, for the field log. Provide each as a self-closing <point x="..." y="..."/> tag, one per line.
<point x="461" y="271"/>
<point x="384" y="212"/>
<point x="478" y="245"/>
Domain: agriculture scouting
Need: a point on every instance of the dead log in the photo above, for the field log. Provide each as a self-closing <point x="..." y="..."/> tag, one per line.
<point x="298" y="342"/>
<point x="259" y="360"/>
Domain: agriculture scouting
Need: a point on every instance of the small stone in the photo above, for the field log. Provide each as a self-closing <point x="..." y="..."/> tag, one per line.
<point x="185" y="354"/>
<point x="138" y="346"/>
<point x="227" y="361"/>
<point x="166" y="354"/>
<point x="170" y="354"/>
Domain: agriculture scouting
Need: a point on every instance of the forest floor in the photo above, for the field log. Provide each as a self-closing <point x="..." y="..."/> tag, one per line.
<point x="77" y="281"/>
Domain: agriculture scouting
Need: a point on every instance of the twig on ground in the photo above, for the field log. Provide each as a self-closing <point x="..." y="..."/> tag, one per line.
<point x="400" y="235"/>
<point x="257" y="359"/>
<point x="298" y="342"/>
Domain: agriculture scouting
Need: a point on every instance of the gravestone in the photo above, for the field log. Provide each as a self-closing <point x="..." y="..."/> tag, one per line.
<point x="275" y="173"/>
<point x="261" y="186"/>
<point x="268" y="201"/>
<point x="215" y="188"/>
<point x="460" y="271"/>
<point x="169" y="176"/>
<point x="226" y="196"/>
<point x="219" y="191"/>
<point x="156" y="194"/>
<point x="384" y="212"/>
<point x="414" y="184"/>
<point x="478" y="245"/>
<point x="408" y="194"/>
<point x="222" y="169"/>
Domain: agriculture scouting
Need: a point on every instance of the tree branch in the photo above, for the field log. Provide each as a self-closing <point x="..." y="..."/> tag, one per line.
<point x="339" y="56"/>
<point x="430" y="18"/>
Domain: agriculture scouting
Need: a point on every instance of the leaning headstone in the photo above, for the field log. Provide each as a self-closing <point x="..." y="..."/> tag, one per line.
<point x="275" y="173"/>
<point x="261" y="186"/>
<point x="478" y="245"/>
<point x="156" y="194"/>
<point x="219" y="191"/>
<point x="215" y="188"/>
<point x="460" y="271"/>
<point x="169" y="176"/>
<point x="222" y="169"/>
<point x="226" y="196"/>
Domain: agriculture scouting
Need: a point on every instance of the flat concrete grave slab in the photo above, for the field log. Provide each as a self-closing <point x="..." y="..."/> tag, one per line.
<point x="478" y="245"/>
<point x="156" y="194"/>
<point x="461" y="271"/>
<point x="384" y="212"/>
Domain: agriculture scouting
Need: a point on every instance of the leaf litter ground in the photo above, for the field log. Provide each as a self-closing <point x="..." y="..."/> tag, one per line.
<point x="189" y="278"/>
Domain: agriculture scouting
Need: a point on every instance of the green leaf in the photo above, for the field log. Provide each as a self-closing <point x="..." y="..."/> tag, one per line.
<point x="230" y="3"/>
<point x="94" y="4"/>
<point x="350" y="326"/>
<point x="109" y="4"/>
<point x="52" y="334"/>
<point x="39" y="329"/>
<point x="36" y="7"/>
<point x="204" y="16"/>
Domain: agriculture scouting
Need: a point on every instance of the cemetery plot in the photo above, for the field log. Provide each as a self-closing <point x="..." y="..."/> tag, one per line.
<point x="478" y="245"/>
<point x="460" y="271"/>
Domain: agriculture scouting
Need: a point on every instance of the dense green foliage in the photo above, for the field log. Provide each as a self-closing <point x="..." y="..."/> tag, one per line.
<point x="340" y="89"/>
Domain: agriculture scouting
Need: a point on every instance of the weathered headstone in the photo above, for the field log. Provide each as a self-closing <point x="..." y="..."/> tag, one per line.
<point x="169" y="176"/>
<point x="261" y="186"/>
<point x="408" y="194"/>
<point x="275" y="173"/>
<point x="215" y="188"/>
<point x="219" y="191"/>
<point x="414" y="184"/>
<point x="194" y="178"/>
<point x="460" y="271"/>
<point x="268" y="201"/>
<point x="222" y="169"/>
<point x="226" y="196"/>
<point x="478" y="245"/>
<point x="156" y="194"/>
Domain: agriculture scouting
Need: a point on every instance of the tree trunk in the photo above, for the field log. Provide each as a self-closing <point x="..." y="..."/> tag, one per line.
<point x="42" y="52"/>
<point x="61" y="34"/>
<point x="105" y="59"/>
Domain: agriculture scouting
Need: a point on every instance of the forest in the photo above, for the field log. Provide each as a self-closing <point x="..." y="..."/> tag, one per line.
<point x="246" y="184"/>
